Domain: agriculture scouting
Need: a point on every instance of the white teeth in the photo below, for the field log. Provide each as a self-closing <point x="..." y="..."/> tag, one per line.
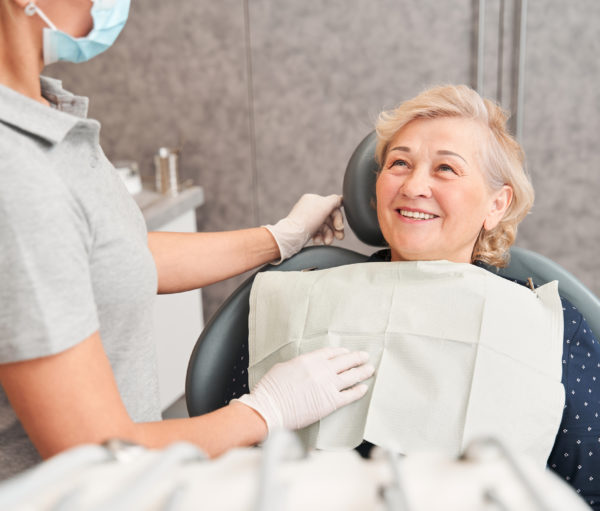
<point x="416" y="214"/>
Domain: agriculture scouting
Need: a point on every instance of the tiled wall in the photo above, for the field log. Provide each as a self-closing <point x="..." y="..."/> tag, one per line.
<point x="321" y="70"/>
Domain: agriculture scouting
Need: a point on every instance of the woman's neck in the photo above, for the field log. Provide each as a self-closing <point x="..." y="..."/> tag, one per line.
<point x="21" y="59"/>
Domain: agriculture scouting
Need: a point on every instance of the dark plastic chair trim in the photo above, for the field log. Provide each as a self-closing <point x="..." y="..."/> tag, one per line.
<point x="359" y="193"/>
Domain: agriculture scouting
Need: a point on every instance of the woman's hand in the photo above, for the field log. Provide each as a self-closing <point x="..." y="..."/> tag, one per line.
<point x="301" y="391"/>
<point x="313" y="216"/>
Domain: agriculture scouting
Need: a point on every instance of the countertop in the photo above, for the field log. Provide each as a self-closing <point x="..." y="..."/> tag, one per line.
<point x="159" y="209"/>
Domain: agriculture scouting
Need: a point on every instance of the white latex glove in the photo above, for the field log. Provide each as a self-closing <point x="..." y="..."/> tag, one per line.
<point x="301" y="391"/>
<point x="312" y="216"/>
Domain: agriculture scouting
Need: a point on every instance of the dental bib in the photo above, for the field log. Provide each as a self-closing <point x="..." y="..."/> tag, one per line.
<point x="460" y="353"/>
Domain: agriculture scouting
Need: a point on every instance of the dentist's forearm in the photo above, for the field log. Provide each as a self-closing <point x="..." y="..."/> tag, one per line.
<point x="187" y="261"/>
<point x="236" y="425"/>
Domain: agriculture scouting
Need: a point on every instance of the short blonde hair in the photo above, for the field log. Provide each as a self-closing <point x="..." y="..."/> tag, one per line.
<point x="502" y="156"/>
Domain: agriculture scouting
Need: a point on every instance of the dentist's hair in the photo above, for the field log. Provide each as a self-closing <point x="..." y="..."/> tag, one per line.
<point x="502" y="157"/>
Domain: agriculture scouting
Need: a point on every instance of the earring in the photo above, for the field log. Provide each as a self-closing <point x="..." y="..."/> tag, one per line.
<point x="30" y="9"/>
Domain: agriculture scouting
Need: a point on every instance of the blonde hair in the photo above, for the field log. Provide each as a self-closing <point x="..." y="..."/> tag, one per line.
<point x="502" y="156"/>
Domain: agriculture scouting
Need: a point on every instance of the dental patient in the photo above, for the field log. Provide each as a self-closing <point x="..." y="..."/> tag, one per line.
<point x="460" y="352"/>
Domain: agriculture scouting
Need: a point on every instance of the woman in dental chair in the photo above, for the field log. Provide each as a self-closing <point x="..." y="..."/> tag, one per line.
<point x="451" y="186"/>
<point x="465" y="207"/>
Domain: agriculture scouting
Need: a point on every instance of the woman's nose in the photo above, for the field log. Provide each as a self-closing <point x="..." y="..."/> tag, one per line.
<point x="417" y="184"/>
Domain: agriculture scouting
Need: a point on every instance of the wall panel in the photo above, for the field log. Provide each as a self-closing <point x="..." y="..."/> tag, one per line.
<point x="324" y="69"/>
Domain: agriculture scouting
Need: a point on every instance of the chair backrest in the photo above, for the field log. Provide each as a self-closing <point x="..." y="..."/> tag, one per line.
<point x="359" y="193"/>
<point x="223" y="340"/>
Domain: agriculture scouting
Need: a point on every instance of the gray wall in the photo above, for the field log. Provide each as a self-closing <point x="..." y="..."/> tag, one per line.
<point x="272" y="97"/>
<point x="561" y="135"/>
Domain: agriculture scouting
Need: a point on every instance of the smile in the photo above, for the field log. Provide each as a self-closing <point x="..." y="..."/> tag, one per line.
<point x="418" y="215"/>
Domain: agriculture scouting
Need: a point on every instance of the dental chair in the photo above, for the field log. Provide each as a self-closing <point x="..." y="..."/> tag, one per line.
<point x="221" y="352"/>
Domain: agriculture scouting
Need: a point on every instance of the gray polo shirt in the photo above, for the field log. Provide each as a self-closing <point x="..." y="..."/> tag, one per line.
<point x="74" y="257"/>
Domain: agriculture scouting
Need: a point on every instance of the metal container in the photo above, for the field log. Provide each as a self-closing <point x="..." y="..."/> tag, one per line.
<point x="166" y="165"/>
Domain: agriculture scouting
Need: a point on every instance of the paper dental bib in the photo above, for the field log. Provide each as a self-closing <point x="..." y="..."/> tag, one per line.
<point x="460" y="352"/>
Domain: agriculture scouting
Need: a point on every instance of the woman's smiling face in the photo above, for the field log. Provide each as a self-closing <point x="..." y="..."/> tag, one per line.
<point x="432" y="195"/>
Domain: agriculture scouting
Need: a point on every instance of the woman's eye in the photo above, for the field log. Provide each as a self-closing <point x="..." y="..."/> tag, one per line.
<point x="446" y="168"/>
<point x="398" y="163"/>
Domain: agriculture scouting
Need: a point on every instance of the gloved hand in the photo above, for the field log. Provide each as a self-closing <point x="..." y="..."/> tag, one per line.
<point x="301" y="391"/>
<point x="312" y="216"/>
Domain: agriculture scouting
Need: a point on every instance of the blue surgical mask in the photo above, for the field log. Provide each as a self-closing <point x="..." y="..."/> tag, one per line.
<point x="109" y="19"/>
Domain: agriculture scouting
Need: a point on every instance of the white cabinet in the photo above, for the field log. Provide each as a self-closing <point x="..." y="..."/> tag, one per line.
<point x="178" y="318"/>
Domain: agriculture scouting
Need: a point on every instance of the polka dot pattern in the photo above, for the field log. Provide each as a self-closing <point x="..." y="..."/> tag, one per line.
<point x="576" y="453"/>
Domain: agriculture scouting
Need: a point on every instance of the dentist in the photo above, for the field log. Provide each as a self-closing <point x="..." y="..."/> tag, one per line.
<point x="79" y="272"/>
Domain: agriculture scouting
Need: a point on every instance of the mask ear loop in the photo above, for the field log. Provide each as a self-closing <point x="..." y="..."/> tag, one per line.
<point x="31" y="9"/>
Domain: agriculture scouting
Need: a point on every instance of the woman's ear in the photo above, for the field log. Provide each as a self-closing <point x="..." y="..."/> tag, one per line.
<point x="500" y="202"/>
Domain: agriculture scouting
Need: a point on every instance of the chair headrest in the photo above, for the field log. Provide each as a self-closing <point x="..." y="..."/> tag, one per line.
<point x="359" y="192"/>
